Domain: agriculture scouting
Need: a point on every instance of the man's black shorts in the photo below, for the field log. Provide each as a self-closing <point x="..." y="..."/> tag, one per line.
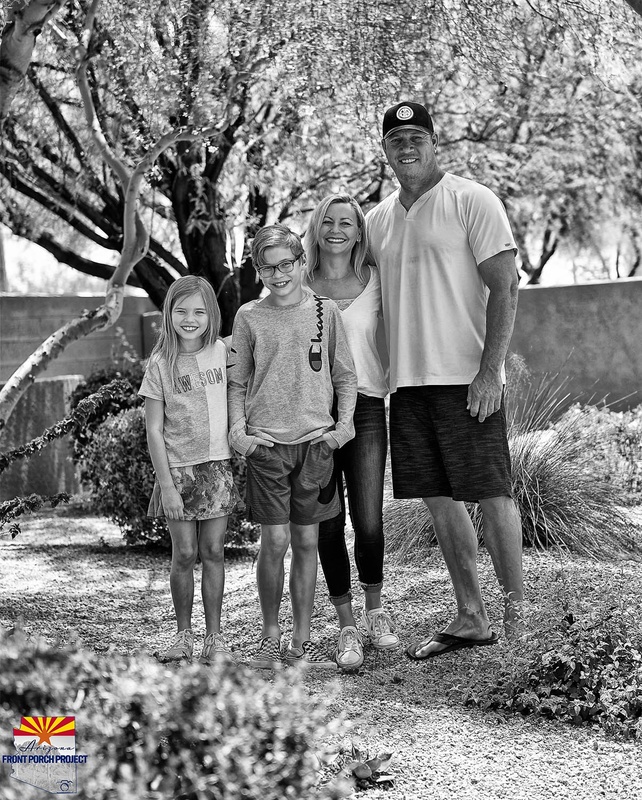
<point x="438" y="450"/>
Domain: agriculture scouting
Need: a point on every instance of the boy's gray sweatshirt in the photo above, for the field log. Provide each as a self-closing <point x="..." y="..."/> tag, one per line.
<point x="285" y="366"/>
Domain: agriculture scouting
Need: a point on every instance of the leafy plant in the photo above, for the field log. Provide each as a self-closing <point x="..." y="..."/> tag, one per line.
<point x="118" y="470"/>
<point x="17" y="506"/>
<point x="591" y="675"/>
<point x="155" y="732"/>
<point x="615" y="440"/>
<point x="368" y="773"/>
<point x="85" y="409"/>
<point x="126" y="397"/>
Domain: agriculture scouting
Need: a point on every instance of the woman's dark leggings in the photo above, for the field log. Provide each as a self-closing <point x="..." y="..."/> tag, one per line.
<point x="360" y="464"/>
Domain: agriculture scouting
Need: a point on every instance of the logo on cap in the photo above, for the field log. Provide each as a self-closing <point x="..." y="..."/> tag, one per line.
<point x="405" y="112"/>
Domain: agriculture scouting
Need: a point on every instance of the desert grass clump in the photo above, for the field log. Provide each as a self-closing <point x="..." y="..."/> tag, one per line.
<point x="562" y="501"/>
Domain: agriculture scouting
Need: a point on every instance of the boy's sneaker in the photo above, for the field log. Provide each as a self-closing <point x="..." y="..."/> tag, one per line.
<point x="268" y="654"/>
<point x="181" y="648"/>
<point x="349" y="652"/>
<point x="380" y="629"/>
<point x="215" y="649"/>
<point x="310" y="654"/>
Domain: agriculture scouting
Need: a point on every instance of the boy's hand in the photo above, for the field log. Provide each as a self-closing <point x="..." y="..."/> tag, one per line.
<point x="329" y="439"/>
<point x="258" y="443"/>
<point x="172" y="504"/>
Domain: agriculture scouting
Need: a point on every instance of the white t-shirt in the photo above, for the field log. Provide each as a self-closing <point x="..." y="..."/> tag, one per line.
<point x="434" y="299"/>
<point x="195" y="422"/>
<point x="361" y="321"/>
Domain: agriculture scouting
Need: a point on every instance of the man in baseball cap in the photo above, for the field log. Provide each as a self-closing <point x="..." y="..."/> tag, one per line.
<point x="446" y="256"/>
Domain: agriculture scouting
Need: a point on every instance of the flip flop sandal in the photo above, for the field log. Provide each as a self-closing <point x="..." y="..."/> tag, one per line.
<point x="452" y="643"/>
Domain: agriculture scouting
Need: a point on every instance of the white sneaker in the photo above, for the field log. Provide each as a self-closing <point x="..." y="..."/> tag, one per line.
<point x="349" y="652"/>
<point x="215" y="649"/>
<point x="380" y="629"/>
<point x="181" y="648"/>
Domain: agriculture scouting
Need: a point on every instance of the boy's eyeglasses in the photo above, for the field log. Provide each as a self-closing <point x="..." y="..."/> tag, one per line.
<point x="284" y="267"/>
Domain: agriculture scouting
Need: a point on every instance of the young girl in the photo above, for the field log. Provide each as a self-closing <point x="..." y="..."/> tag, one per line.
<point x="185" y="393"/>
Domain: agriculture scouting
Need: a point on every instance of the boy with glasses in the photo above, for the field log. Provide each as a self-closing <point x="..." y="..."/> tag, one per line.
<point x="289" y="358"/>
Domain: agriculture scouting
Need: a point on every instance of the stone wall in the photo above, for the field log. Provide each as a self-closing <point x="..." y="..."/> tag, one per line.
<point x="44" y="403"/>
<point x="27" y="320"/>
<point x="591" y="333"/>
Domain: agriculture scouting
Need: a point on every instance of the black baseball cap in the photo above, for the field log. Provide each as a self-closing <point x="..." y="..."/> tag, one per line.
<point x="407" y="115"/>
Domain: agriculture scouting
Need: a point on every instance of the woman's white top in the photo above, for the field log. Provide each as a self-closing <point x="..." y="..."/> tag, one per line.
<point x="361" y="319"/>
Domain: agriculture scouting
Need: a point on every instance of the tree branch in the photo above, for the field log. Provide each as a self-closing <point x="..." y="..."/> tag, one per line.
<point x="26" y="20"/>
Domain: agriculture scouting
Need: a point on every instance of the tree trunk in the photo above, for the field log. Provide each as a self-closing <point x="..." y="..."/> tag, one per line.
<point x="26" y="20"/>
<point x="4" y="283"/>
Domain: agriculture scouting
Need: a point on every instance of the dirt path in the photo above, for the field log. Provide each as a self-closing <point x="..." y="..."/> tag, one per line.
<point x="74" y="576"/>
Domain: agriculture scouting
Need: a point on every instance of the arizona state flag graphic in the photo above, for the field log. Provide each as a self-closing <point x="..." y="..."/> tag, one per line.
<point x="58" y="732"/>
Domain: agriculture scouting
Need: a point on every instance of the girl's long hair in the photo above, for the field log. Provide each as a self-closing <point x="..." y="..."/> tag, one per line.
<point x="167" y="344"/>
<point x="359" y="255"/>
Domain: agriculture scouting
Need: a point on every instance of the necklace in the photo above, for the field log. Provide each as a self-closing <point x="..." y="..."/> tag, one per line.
<point x="340" y="278"/>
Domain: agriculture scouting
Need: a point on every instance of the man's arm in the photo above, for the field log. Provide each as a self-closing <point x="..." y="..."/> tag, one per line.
<point x="499" y="273"/>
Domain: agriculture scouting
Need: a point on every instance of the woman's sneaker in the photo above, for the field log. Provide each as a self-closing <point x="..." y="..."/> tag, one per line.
<point x="380" y="629"/>
<point x="310" y="654"/>
<point x="349" y="652"/>
<point x="268" y="654"/>
<point x="181" y="648"/>
<point x="215" y="649"/>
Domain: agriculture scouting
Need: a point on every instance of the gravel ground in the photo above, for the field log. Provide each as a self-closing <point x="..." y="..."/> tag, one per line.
<point x="68" y="576"/>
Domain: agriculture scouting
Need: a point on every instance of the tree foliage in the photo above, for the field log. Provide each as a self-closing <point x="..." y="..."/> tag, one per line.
<point x="540" y="100"/>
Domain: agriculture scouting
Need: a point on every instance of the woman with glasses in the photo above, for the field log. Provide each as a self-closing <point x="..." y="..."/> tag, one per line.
<point x="337" y="267"/>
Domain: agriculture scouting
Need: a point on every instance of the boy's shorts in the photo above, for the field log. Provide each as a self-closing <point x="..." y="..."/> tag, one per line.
<point x="438" y="450"/>
<point x="291" y="483"/>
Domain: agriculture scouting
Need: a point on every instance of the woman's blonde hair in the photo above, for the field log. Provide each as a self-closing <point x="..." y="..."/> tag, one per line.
<point x="167" y="344"/>
<point x="359" y="255"/>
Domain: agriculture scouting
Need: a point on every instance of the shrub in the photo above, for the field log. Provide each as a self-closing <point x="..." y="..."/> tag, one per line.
<point x="127" y="397"/>
<point x="158" y="733"/>
<point x="615" y="441"/>
<point x="118" y="470"/>
<point x="591" y="675"/>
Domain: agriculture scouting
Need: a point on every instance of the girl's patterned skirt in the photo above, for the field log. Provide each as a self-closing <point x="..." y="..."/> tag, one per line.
<point x="207" y="490"/>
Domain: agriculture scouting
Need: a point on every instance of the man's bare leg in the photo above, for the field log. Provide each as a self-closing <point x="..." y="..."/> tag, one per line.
<point x="503" y="540"/>
<point x="458" y="543"/>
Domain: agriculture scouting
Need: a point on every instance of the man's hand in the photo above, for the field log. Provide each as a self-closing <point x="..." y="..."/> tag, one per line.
<point x="484" y="396"/>
<point x="172" y="503"/>
<point x="258" y="443"/>
<point x="328" y="438"/>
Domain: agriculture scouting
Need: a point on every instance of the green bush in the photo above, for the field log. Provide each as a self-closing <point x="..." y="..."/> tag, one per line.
<point x="127" y="397"/>
<point x="119" y="472"/>
<point x="162" y="733"/>
<point x="592" y="675"/>
<point x="615" y="441"/>
<point x="117" y="468"/>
